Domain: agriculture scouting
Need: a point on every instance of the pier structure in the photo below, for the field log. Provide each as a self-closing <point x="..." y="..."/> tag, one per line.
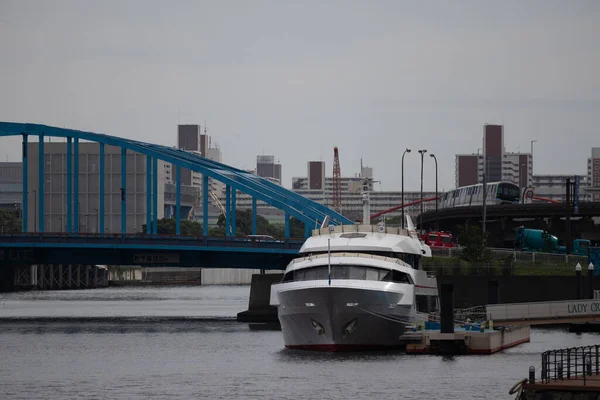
<point x="564" y="374"/>
<point x="59" y="276"/>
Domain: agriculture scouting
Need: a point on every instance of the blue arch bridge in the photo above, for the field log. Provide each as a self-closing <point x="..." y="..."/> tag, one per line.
<point x="148" y="248"/>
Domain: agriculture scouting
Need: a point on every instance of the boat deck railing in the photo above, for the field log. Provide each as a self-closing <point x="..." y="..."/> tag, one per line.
<point x="360" y="229"/>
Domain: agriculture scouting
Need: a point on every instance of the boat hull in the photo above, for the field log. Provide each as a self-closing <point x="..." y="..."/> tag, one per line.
<point x="343" y="318"/>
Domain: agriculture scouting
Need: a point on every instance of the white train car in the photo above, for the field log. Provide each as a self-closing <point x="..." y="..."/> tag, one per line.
<point x="497" y="193"/>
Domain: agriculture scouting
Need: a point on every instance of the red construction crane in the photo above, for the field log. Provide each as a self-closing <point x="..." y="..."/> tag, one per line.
<point x="337" y="182"/>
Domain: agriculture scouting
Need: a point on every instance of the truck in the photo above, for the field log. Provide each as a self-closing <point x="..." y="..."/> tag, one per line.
<point x="438" y="239"/>
<point x="542" y="241"/>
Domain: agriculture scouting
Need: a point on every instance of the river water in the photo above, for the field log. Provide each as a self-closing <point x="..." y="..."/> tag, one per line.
<point x="183" y="343"/>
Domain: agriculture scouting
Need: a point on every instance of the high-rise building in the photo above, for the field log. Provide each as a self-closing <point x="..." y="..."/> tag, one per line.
<point x="55" y="188"/>
<point x="493" y="152"/>
<point x="11" y="184"/>
<point x="495" y="162"/>
<point x="267" y="168"/>
<point x="316" y="175"/>
<point x="191" y="139"/>
<point x="554" y="187"/>
<point x="594" y="175"/>
<point x="467" y="169"/>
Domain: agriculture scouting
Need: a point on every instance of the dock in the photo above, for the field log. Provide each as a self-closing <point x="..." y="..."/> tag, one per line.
<point x="467" y="341"/>
<point x="572" y="373"/>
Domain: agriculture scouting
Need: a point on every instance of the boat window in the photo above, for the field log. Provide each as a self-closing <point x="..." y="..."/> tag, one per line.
<point x="410" y="259"/>
<point x="372" y="274"/>
<point x="353" y="235"/>
<point x="446" y="239"/>
<point x="347" y="272"/>
<point x="433" y="237"/>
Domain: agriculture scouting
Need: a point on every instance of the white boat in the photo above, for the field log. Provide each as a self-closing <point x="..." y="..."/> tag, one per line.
<point x="355" y="287"/>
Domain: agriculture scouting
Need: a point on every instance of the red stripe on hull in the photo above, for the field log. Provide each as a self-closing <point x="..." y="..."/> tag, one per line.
<point x="342" y="347"/>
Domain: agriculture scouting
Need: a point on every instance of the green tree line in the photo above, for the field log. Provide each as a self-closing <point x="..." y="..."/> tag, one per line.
<point x="9" y="221"/>
<point x="166" y="226"/>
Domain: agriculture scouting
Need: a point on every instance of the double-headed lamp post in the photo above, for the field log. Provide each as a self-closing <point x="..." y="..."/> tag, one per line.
<point x="436" y="181"/>
<point x="405" y="151"/>
<point x="422" y="152"/>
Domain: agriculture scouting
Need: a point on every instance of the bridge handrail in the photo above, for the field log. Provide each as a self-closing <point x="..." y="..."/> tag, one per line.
<point x="570" y="363"/>
<point x="66" y="237"/>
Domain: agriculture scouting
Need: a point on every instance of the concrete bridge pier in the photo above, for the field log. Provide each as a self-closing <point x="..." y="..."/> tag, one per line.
<point x="259" y="308"/>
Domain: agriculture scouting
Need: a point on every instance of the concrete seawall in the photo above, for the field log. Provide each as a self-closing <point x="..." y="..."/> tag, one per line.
<point x="470" y="291"/>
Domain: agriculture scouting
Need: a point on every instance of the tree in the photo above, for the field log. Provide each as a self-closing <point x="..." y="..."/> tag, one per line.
<point x="296" y="228"/>
<point x="9" y="221"/>
<point x="167" y="226"/>
<point x="474" y="244"/>
<point x="243" y="222"/>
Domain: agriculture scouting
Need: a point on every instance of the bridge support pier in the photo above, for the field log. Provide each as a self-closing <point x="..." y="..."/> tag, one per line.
<point x="259" y="308"/>
<point x="25" y="277"/>
<point x="57" y="277"/>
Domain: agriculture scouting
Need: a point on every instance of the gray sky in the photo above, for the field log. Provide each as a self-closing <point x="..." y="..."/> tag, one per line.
<point x="295" y="78"/>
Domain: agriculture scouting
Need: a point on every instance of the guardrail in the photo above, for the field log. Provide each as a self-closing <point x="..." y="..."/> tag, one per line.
<point x="517" y="256"/>
<point x="149" y="239"/>
<point x="572" y="363"/>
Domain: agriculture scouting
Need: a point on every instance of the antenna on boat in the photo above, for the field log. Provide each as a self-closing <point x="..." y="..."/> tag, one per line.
<point x="329" y="260"/>
<point x="366" y="203"/>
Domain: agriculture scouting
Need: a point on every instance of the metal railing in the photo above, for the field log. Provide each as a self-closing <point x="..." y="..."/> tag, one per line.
<point x="154" y="239"/>
<point x="517" y="256"/>
<point x="571" y="363"/>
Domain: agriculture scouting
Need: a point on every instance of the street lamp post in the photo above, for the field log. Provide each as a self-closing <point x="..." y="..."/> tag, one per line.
<point x="405" y="151"/>
<point x="436" y="181"/>
<point x="34" y="210"/>
<point x="532" y="142"/>
<point x="19" y="212"/>
<point x="422" y="152"/>
<point x="97" y="219"/>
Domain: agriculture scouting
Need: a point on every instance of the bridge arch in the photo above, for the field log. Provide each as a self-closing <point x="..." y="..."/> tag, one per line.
<point x="293" y="204"/>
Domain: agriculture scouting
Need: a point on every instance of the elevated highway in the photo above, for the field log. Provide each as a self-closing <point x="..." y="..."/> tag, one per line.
<point x="535" y="210"/>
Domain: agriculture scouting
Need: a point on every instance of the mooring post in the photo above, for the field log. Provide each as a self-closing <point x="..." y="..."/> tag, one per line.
<point x="591" y="281"/>
<point x="493" y="292"/>
<point x="532" y="374"/>
<point x="447" y="308"/>
<point x="578" y="279"/>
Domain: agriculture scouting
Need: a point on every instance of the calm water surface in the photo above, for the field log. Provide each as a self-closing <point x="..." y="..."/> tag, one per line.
<point x="182" y="343"/>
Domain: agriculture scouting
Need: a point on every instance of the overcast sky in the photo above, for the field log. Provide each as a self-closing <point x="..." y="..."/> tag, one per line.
<point x="296" y="78"/>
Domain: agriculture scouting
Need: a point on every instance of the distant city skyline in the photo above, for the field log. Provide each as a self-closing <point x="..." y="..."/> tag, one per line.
<point x="369" y="78"/>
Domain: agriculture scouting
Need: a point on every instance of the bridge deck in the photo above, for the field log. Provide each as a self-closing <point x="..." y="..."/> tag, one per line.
<point x="204" y="252"/>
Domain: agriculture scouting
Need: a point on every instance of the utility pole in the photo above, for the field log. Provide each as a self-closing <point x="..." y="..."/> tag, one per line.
<point x="484" y="200"/>
<point x="422" y="152"/>
<point x="568" y="217"/>
<point x="405" y="151"/>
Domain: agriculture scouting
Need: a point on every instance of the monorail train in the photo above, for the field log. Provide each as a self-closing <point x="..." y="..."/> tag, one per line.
<point x="497" y="193"/>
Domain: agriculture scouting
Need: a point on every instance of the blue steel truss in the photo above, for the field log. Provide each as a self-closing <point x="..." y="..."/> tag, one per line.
<point x="292" y="204"/>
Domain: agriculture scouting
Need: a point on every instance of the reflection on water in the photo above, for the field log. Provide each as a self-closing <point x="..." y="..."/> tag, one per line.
<point x="131" y="347"/>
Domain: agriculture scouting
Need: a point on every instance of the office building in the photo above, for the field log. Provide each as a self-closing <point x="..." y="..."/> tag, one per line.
<point x="268" y="168"/>
<point x="494" y="161"/>
<point x="593" y="175"/>
<point x="55" y="188"/>
<point x="11" y="184"/>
